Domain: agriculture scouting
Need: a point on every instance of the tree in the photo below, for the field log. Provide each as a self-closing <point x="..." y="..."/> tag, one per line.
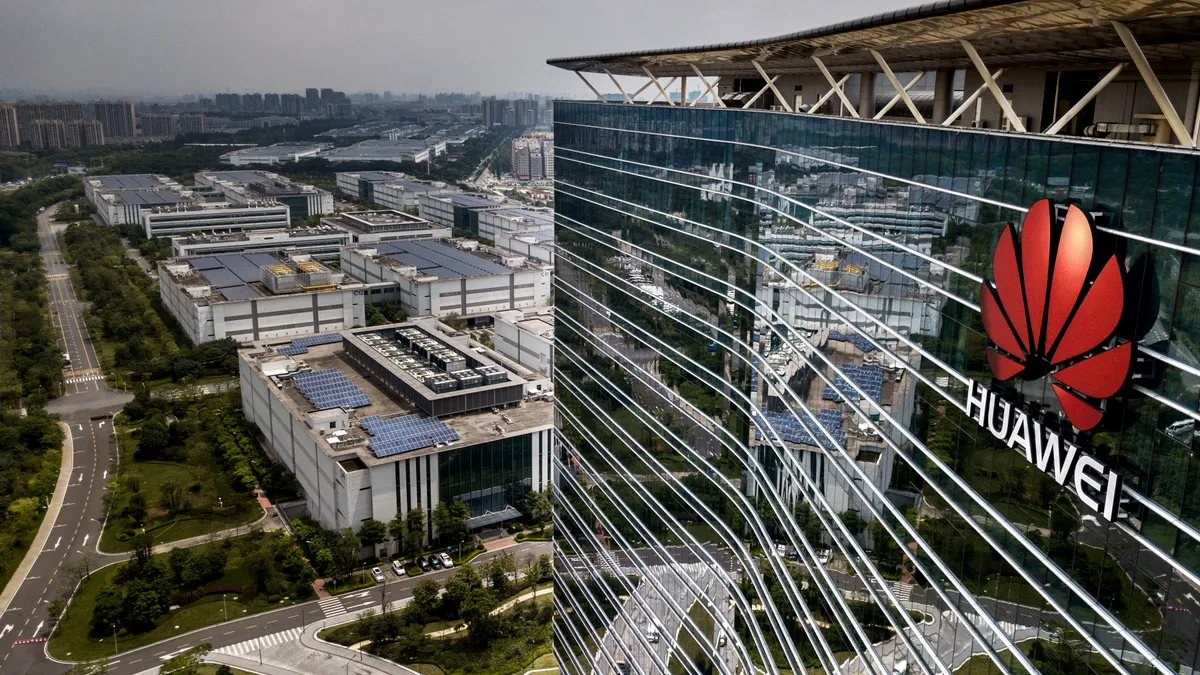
<point x="172" y="496"/>
<point x="425" y="597"/>
<point x="142" y="545"/>
<point x="372" y="533"/>
<point x="152" y="439"/>
<point x="346" y="552"/>
<point x="414" y="521"/>
<point x="501" y="570"/>
<point x="542" y="569"/>
<point x="853" y="521"/>
<point x="466" y="579"/>
<point x="107" y="610"/>
<point x="179" y="559"/>
<point x="476" y="610"/>
<point x="539" y="506"/>
<point x="398" y="530"/>
<point x="135" y="508"/>
<point x="450" y="519"/>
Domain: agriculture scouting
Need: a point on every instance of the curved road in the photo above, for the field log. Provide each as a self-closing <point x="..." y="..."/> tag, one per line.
<point x="86" y="408"/>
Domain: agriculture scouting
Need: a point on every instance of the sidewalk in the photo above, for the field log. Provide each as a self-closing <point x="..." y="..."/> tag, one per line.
<point x="267" y="522"/>
<point x="43" y="533"/>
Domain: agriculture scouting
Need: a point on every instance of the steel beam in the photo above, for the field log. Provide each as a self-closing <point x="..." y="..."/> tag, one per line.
<point x="1156" y="90"/>
<point x="771" y="83"/>
<point x="710" y="88"/>
<point x="589" y="86"/>
<point x="1009" y="113"/>
<point x="837" y="87"/>
<point x="896" y="98"/>
<point x="1087" y="98"/>
<point x="901" y="90"/>
<point x="828" y="95"/>
<point x="656" y="84"/>
<point x="618" y="86"/>
<point x="970" y="100"/>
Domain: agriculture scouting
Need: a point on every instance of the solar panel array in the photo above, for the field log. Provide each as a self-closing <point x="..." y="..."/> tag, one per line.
<point x="444" y="262"/>
<point x="855" y="339"/>
<point x="330" y="389"/>
<point x="404" y="434"/>
<point x="301" y="344"/>
<point x="794" y="430"/>
<point x="232" y="274"/>
<point x="868" y="378"/>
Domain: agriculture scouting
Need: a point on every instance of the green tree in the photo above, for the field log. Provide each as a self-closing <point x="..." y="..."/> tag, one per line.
<point x="853" y="521"/>
<point x="414" y="521"/>
<point x="425" y="597"/>
<point x="152" y="438"/>
<point x="501" y="570"/>
<point x="346" y="552"/>
<point x="371" y="533"/>
<point x="542" y="568"/>
<point x="142" y="545"/>
<point x="179" y="559"/>
<point x="539" y="506"/>
<point x="398" y="530"/>
<point x="187" y="663"/>
<point x="466" y="579"/>
<point x="173" y="497"/>
<point x="108" y="611"/>
<point x="476" y="611"/>
<point x="135" y="508"/>
<point x="450" y="519"/>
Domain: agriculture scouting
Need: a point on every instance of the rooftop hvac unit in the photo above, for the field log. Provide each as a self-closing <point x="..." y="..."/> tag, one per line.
<point x="467" y="379"/>
<point x="441" y="383"/>
<point x="279" y="279"/>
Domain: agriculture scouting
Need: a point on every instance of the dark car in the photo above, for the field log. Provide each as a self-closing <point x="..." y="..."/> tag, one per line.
<point x="423" y="563"/>
<point x="436" y="562"/>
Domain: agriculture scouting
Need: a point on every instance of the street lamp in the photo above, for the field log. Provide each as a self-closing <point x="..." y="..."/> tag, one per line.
<point x="116" y="649"/>
<point x="224" y="608"/>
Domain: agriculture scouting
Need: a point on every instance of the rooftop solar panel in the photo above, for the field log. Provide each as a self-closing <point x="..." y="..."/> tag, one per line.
<point x="244" y="269"/>
<point x="205" y="263"/>
<point x="261" y="259"/>
<point x="222" y="278"/>
<point x="242" y="292"/>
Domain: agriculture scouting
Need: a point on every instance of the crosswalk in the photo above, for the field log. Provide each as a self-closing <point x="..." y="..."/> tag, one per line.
<point x="332" y="606"/>
<point x="263" y="642"/>
<point x="903" y="592"/>
<point x="85" y="378"/>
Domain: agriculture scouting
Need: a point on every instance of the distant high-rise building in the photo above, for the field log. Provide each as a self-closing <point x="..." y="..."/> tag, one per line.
<point x="533" y="156"/>
<point x="84" y="134"/>
<point x="326" y="96"/>
<point x="10" y="133"/>
<point x="116" y="117"/>
<point x="252" y="103"/>
<point x="510" y="117"/>
<point x="339" y="110"/>
<point x="28" y="111"/>
<point x="387" y="95"/>
<point x="492" y="111"/>
<point x="271" y="103"/>
<point x="159" y="126"/>
<point x="312" y="99"/>
<point x="192" y="124"/>
<point x="48" y="134"/>
<point x="548" y="159"/>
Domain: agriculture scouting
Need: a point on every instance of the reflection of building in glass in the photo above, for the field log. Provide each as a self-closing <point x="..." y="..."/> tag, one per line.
<point x="768" y="322"/>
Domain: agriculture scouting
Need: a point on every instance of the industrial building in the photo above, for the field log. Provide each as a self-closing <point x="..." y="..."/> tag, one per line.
<point x="189" y="217"/>
<point x="274" y="154"/>
<point x="524" y="220"/>
<point x="459" y="211"/>
<point x="434" y="278"/>
<point x="526" y="337"/>
<point x="375" y="422"/>
<point x="389" y="189"/>
<point x="882" y="350"/>
<point x="259" y="296"/>
<point x="371" y="227"/>
<point x="119" y="200"/>
<point x="241" y="187"/>
<point x="322" y="242"/>
<point x="383" y="150"/>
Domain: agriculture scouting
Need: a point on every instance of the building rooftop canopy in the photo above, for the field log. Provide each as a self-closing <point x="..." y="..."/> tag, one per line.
<point x="1006" y="33"/>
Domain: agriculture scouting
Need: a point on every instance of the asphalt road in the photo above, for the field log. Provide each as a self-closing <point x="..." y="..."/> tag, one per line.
<point x="86" y="407"/>
<point x="295" y="616"/>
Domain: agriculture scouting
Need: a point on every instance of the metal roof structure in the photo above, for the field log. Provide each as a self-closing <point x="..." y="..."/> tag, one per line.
<point x="439" y="260"/>
<point x="1006" y="33"/>
<point x="148" y="197"/>
<point x="141" y="180"/>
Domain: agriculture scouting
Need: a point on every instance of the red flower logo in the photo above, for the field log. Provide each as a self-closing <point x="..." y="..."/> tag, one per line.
<point x="1046" y="315"/>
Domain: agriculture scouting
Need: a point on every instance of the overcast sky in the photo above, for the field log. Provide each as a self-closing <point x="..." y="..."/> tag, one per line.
<point x="175" y="47"/>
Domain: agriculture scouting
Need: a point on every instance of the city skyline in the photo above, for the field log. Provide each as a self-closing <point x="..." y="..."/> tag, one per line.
<point x="79" y="50"/>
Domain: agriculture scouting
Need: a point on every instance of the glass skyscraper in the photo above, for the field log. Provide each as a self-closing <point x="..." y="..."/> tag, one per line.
<point x="884" y="395"/>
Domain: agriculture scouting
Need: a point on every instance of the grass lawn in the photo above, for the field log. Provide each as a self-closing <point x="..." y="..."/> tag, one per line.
<point x="211" y="669"/>
<point x="544" y="661"/>
<point x="73" y="640"/>
<point x="239" y="508"/>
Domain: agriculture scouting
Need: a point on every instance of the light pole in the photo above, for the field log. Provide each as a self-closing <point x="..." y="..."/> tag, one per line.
<point x="224" y="607"/>
<point x="116" y="649"/>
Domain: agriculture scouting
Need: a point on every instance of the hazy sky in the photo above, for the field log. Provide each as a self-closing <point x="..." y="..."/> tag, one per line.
<point x="208" y="46"/>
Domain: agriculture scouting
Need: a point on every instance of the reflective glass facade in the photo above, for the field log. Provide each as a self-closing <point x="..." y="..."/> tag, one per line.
<point x="766" y="328"/>
<point x="489" y="477"/>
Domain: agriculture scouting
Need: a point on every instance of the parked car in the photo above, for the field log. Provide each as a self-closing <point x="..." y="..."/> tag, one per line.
<point x="445" y="558"/>
<point x="423" y="563"/>
<point x="398" y="568"/>
<point x="436" y="562"/>
<point x="377" y="574"/>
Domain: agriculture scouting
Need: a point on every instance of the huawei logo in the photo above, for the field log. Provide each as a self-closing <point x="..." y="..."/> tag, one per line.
<point x="1052" y="310"/>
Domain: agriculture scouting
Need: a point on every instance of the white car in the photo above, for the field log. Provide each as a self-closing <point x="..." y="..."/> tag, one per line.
<point x="445" y="558"/>
<point x="398" y="568"/>
<point x="377" y="574"/>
